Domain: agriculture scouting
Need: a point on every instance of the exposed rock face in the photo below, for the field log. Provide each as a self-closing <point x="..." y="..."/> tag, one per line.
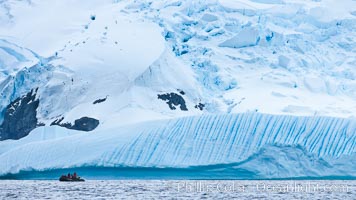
<point x="20" y="117"/>
<point x="82" y="124"/>
<point x="99" y="100"/>
<point x="85" y="124"/>
<point x="173" y="100"/>
<point x="58" y="122"/>
<point x="200" y="106"/>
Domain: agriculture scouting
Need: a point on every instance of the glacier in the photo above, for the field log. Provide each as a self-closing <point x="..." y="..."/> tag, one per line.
<point x="269" y="86"/>
<point x="267" y="146"/>
<point x="302" y="51"/>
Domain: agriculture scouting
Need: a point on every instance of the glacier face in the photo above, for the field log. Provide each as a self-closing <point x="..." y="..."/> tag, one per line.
<point x="298" y="56"/>
<point x="290" y="146"/>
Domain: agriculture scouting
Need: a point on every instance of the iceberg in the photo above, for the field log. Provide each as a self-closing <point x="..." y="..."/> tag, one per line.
<point x="221" y="56"/>
<point x="267" y="146"/>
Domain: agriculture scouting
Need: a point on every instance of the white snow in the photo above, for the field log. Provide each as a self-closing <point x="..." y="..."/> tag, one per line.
<point x="37" y="135"/>
<point x="122" y="55"/>
<point x="283" y="57"/>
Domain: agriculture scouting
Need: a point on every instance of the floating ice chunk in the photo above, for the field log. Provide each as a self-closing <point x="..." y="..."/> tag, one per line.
<point x="245" y="38"/>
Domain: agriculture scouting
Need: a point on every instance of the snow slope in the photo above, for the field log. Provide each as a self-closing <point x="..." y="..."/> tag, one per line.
<point x="87" y="59"/>
<point x="300" y="146"/>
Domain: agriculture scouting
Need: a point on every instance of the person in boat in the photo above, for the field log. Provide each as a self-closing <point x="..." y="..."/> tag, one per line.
<point x="70" y="177"/>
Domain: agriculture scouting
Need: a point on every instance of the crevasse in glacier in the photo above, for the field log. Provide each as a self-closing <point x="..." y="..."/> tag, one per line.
<point x="301" y="146"/>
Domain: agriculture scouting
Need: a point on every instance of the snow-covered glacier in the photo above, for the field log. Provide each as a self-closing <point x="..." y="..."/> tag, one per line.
<point x="255" y="87"/>
<point x="267" y="146"/>
<point x="298" y="56"/>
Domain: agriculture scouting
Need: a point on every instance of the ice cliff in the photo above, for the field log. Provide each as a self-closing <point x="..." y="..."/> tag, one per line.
<point x="269" y="146"/>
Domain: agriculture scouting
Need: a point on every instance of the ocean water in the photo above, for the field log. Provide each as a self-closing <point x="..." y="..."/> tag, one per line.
<point x="178" y="189"/>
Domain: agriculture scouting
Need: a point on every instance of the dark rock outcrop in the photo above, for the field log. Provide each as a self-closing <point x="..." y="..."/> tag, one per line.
<point x="82" y="124"/>
<point x="58" y="122"/>
<point x="173" y="100"/>
<point x="181" y="92"/>
<point x="200" y="106"/>
<point x="99" y="100"/>
<point x="20" y="117"/>
<point x="85" y="124"/>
